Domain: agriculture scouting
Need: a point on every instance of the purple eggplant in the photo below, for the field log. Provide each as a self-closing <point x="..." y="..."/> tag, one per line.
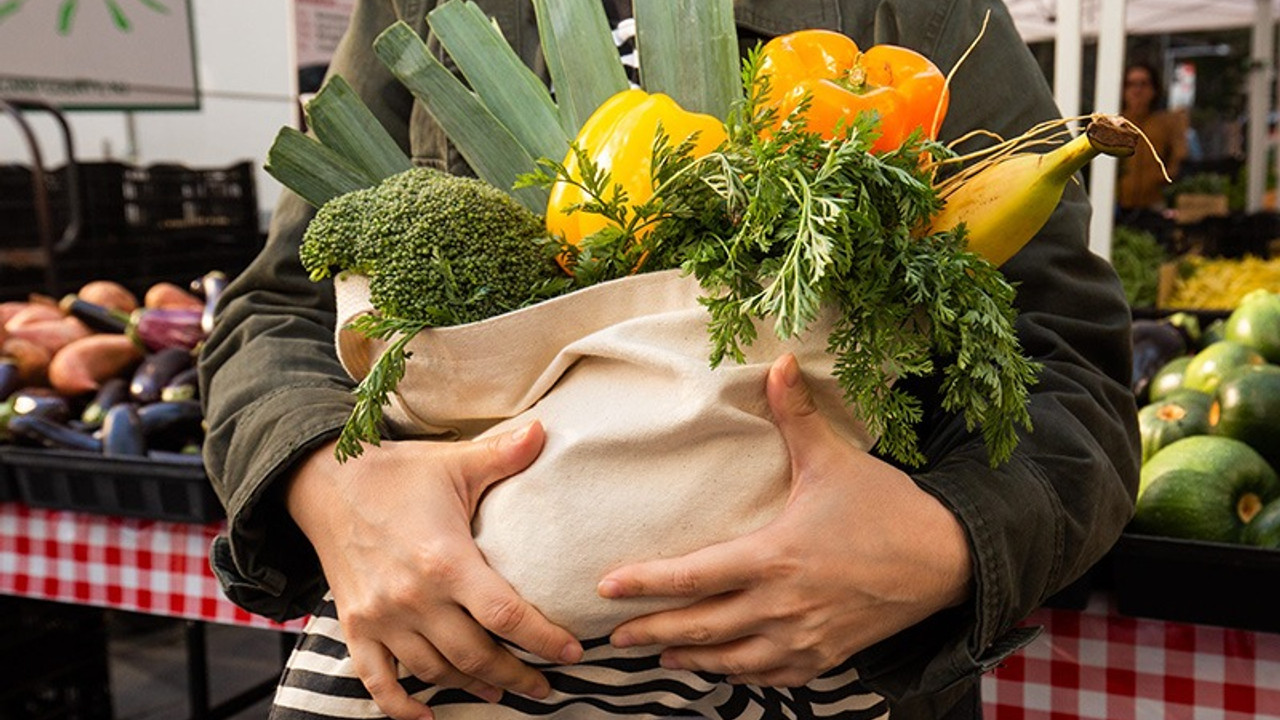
<point x="160" y="328"/>
<point x="184" y="386"/>
<point x="122" y="434"/>
<point x="1155" y="343"/>
<point x="10" y="377"/>
<point x="156" y="370"/>
<point x="41" y="402"/>
<point x="43" y="431"/>
<point x="113" y="392"/>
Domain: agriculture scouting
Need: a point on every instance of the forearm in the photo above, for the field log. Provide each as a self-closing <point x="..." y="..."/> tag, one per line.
<point x="273" y="386"/>
<point x="1038" y="521"/>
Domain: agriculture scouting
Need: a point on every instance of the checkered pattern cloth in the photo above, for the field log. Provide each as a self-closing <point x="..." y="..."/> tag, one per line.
<point x="1094" y="664"/>
<point x="1099" y="664"/>
<point x="160" y="568"/>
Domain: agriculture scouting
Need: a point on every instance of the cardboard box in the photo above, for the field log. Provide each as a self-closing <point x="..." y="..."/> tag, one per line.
<point x="1194" y="207"/>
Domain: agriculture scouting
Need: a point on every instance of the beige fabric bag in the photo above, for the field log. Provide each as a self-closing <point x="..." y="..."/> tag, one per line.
<point x="649" y="453"/>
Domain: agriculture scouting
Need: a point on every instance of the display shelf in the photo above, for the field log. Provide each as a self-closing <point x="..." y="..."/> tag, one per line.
<point x="128" y="487"/>
<point x="1194" y="581"/>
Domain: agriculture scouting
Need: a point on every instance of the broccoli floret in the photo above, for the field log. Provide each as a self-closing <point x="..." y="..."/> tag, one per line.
<point x="437" y="248"/>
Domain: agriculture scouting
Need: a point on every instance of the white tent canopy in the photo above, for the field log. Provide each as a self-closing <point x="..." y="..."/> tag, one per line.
<point x="1036" y="18"/>
<point x="1110" y="21"/>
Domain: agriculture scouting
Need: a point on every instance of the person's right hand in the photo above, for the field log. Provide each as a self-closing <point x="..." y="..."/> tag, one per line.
<point x="392" y="529"/>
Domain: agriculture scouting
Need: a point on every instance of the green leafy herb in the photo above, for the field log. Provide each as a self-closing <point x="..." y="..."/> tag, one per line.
<point x="364" y="425"/>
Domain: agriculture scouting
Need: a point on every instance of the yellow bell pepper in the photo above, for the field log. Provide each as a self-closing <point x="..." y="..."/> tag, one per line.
<point x="619" y="137"/>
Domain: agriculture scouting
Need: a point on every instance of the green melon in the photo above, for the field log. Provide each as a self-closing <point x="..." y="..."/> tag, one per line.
<point x="1255" y="323"/>
<point x="1182" y="414"/>
<point x="1246" y="407"/>
<point x="1203" y="487"/>
<point x="1168" y="378"/>
<point x="1210" y="365"/>
<point x="1264" y="529"/>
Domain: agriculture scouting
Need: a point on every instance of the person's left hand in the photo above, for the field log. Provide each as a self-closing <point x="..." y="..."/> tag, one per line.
<point x="859" y="553"/>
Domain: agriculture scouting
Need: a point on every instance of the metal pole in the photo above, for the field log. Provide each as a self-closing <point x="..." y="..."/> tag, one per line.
<point x="1106" y="100"/>
<point x="1067" y="54"/>
<point x="1260" y="81"/>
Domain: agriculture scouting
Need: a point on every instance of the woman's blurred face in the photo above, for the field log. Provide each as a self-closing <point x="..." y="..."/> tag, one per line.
<point x="1139" y="90"/>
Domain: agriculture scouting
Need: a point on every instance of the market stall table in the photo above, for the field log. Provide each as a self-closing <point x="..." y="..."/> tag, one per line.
<point x="1093" y="663"/>
<point x="147" y="566"/>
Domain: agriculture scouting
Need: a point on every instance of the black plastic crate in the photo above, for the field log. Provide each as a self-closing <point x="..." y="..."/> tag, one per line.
<point x="138" y="226"/>
<point x="1194" y="581"/>
<point x="8" y="486"/>
<point x="174" y="199"/>
<point x="128" y="487"/>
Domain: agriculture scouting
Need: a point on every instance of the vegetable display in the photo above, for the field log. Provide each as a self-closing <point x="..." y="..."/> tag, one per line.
<point x="1211" y="432"/>
<point x="122" y="386"/>
<point x="806" y="181"/>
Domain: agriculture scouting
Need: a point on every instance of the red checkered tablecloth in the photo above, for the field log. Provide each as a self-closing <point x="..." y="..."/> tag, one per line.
<point x="149" y="566"/>
<point x="1099" y="664"/>
<point x="1093" y="664"/>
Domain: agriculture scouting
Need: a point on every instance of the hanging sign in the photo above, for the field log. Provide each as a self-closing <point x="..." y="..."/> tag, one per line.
<point x="320" y="25"/>
<point x="99" y="54"/>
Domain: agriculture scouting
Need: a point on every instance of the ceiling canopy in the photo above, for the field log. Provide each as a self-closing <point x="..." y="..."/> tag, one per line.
<point x="1035" y="18"/>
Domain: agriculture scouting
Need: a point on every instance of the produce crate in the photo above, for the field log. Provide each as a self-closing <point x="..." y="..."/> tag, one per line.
<point x="129" y="487"/>
<point x="139" y="225"/>
<point x="1194" y="207"/>
<point x="1196" y="582"/>
<point x="8" y="486"/>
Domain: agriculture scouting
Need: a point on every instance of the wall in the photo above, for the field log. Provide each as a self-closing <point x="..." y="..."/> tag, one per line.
<point x="248" y="82"/>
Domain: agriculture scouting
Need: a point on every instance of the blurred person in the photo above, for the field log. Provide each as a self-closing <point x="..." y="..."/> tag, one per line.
<point x="1141" y="185"/>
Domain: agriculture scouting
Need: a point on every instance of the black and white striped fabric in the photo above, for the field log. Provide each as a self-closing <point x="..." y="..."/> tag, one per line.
<point x="320" y="684"/>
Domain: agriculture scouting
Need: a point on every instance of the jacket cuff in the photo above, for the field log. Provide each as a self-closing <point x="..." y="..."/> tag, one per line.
<point x="261" y="539"/>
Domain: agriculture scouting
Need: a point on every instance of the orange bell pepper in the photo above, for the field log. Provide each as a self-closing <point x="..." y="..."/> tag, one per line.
<point x="619" y="137"/>
<point x="900" y="85"/>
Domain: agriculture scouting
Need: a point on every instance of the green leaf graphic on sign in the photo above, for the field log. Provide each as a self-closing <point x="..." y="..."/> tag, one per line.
<point x="67" y="13"/>
<point x="10" y="7"/>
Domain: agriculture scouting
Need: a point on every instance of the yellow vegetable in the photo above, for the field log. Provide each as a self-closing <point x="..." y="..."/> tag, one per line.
<point x="619" y="137"/>
<point x="1220" y="284"/>
<point x="1006" y="201"/>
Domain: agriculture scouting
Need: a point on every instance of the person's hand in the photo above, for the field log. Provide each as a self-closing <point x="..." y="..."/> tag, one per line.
<point x="859" y="553"/>
<point x="393" y="533"/>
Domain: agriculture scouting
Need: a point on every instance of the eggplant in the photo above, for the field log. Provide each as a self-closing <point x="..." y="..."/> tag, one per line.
<point x="113" y="392"/>
<point x="171" y="424"/>
<point x="160" y="328"/>
<point x="1155" y="343"/>
<point x="156" y="370"/>
<point x="43" y="431"/>
<point x="210" y="287"/>
<point x="183" y="386"/>
<point x="41" y="402"/>
<point x="10" y="378"/>
<point x="97" y="317"/>
<point x="122" y="434"/>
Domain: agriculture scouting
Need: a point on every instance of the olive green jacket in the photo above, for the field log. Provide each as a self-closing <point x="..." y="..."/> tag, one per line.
<point x="274" y="389"/>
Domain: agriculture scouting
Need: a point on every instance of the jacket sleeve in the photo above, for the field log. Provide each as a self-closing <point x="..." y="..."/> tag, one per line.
<point x="272" y="384"/>
<point x="1042" y="519"/>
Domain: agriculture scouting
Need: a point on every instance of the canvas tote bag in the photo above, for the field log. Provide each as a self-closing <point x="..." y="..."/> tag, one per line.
<point x="650" y="453"/>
